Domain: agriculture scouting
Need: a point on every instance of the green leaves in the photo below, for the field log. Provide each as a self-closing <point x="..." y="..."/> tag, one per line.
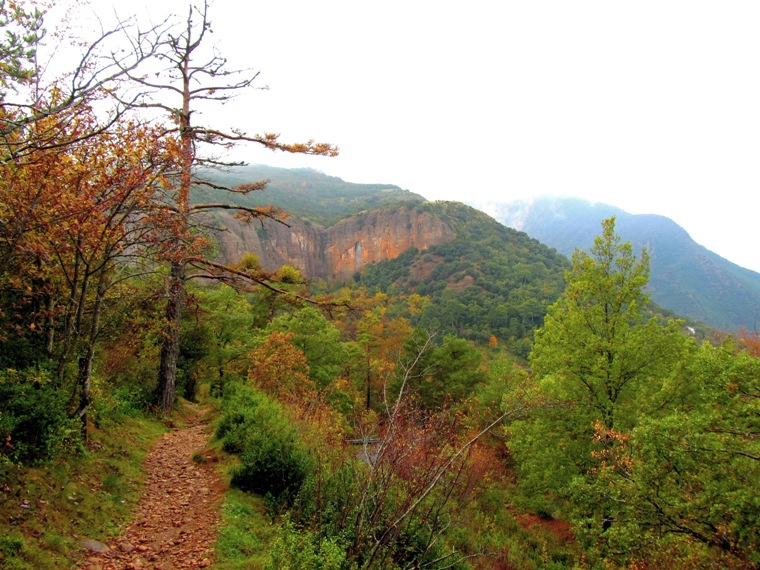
<point x="22" y="32"/>
<point x="595" y="337"/>
<point x="649" y="443"/>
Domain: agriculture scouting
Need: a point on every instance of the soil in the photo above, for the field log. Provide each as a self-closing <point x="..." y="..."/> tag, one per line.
<point x="177" y="519"/>
<point x="563" y="530"/>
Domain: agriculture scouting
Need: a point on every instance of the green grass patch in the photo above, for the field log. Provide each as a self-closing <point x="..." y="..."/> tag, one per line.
<point x="46" y="510"/>
<point x="247" y="533"/>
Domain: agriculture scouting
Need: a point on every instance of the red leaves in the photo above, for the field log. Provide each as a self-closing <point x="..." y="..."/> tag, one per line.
<point x="614" y="450"/>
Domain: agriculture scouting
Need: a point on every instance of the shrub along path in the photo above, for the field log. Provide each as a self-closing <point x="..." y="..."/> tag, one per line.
<point x="177" y="519"/>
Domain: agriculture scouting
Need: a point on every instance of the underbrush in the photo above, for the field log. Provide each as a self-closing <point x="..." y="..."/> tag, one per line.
<point x="294" y="504"/>
<point x="34" y="421"/>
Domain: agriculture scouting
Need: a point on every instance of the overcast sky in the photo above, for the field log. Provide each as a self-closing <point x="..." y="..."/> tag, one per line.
<point x="652" y="106"/>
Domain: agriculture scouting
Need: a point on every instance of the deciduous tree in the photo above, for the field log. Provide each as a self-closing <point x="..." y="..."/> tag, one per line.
<point x="680" y="488"/>
<point x="599" y="360"/>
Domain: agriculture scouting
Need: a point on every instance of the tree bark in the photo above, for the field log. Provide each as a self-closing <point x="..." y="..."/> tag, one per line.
<point x="167" y="372"/>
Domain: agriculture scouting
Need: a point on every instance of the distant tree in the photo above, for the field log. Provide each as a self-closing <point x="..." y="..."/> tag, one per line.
<point x="227" y="315"/>
<point x="282" y="370"/>
<point x="451" y="373"/>
<point x="381" y="340"/>
<point x="750" y="341"/>
<point x="318" y="339"/>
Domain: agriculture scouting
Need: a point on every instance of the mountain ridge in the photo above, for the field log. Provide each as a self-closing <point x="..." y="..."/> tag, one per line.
<point x="685" y="277"/>
<point x="337" y="230"/>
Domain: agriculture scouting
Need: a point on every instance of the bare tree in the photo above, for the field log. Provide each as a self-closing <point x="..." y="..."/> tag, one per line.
<point x="28" y="101"/>
<point x="194" y="75"/>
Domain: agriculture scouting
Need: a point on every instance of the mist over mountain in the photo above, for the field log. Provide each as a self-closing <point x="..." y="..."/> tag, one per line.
<point x="685" y="276"/>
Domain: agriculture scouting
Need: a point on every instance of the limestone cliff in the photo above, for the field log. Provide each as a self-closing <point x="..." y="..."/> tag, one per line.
<point x="336" y="252"/>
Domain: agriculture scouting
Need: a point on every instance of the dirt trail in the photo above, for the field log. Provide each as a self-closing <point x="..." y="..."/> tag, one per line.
<point x="177" y="519"/>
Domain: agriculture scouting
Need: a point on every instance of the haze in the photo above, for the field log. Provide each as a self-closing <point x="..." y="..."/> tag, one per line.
<point x="649" y="106"/>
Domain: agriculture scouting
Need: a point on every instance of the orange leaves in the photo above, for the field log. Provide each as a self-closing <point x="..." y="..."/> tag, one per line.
<point x="751" y="342"/>
<point x="250" y="187"/>
<point x="74" y="207"/>
<point x="280" y="369"/>
<point x="614" y="451"/>
<point x="248" y="215"/>
<point x="272" y="141"/>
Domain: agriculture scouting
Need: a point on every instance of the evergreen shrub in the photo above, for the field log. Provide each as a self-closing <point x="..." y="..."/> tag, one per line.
<point x="34" y="422"/>
<point x="274" y="458"/>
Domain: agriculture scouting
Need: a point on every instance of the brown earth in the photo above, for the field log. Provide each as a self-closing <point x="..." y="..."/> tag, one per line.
<point x="563" y="530"/>
<point x="177" y="519"/>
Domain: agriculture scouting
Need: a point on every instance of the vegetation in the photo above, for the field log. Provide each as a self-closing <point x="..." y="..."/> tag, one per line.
<point x="47" y="509"/>
<point x="489" y="280"/>
<point x="457" y="407"/>
<point x="622" y="424"/>
<point x="306" y="193"/>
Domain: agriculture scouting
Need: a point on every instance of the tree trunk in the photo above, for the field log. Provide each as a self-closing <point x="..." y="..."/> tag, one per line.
<point x="167" y="372"/>
<point x="85" y="362"/>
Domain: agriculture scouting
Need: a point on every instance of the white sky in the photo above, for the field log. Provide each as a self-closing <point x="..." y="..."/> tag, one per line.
<point x="652" y="106"/>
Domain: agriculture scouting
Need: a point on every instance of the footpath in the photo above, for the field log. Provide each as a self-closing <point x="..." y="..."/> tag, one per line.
<point x="177" y="519"/>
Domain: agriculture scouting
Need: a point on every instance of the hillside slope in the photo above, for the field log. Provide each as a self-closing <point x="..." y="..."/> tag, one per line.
<point x="685" y="277"/>
<point x="305" y="193"/>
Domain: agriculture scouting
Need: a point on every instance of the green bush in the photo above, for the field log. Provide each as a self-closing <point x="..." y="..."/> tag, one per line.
<point x="115" y="403"/>
<point x="240" y="405"/>
<point x="34" y="423"/>
<point x="303" y="550"/>
<point x="274" y="459"/>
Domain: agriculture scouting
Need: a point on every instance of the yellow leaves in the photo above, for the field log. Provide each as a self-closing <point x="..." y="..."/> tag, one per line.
<point x="249" y="263"/>
<point x="289" y="274"/>
<point x="281" y="369"/>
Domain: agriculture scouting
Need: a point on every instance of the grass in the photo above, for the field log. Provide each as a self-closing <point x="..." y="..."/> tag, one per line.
<point x="246" y="534"/>
<point x="45" y="511"/>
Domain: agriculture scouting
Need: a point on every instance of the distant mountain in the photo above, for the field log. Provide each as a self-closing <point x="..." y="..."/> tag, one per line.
<point x="685" y="277"/>
<point x="483" y="278"/>
<point x="306" y="193"/>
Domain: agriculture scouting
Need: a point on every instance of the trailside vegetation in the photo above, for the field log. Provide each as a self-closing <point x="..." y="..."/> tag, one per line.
<point x="480" y="404"/>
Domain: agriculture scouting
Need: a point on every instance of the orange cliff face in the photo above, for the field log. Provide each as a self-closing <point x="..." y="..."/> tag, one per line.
<point x="337" y="252"/>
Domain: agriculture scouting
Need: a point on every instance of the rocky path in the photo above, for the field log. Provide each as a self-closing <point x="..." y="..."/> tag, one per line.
<point x="178" y="516"/>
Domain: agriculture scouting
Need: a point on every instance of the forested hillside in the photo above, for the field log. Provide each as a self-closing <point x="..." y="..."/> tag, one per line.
<point x="306" y="193"/>
<point x="450" y="394"/>
<point x="482" y="278"/>
<point x="487" y="281"/>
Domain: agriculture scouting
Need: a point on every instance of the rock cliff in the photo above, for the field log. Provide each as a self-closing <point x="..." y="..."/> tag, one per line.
<point x="335" y="252"/>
